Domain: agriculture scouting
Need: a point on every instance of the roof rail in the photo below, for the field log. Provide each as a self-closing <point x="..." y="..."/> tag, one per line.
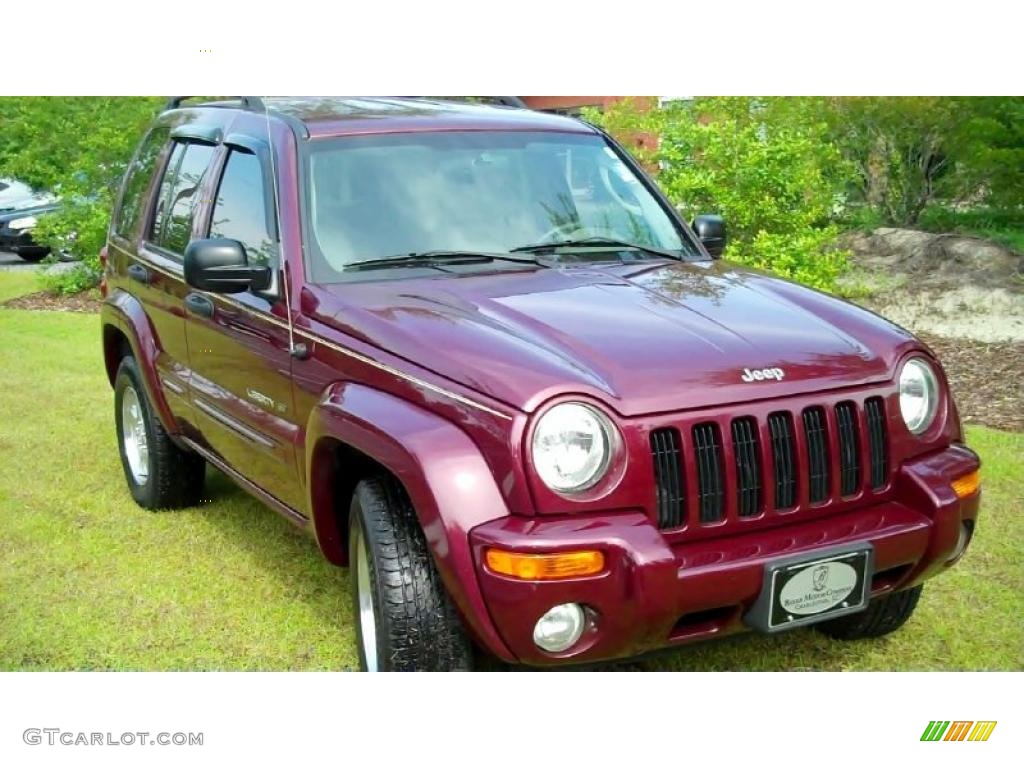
<point x="510" y="101"/>
<point x="252" y="103"/>
<point x="501" y="101"/>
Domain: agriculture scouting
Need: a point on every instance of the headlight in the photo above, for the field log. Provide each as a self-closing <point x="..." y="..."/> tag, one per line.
<point x="572" y="447"/>
<point x="919" y="395"/>
<point x="24" y="223"/>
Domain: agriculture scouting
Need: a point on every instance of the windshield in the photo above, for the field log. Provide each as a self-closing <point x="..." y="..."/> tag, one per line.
<point x="389" y="196"/>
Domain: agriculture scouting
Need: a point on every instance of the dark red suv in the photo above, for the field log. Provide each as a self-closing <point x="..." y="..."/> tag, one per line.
<point x="476" y="354"/>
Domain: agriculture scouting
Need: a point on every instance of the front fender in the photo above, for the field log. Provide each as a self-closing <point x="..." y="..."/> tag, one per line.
<point x="447" y="479"/>
<point x="123" y="312"/>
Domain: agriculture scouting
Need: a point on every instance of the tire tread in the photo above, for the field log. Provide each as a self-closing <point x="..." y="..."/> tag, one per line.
<point x="419" y="627"/>
<point x="883" y="615"/>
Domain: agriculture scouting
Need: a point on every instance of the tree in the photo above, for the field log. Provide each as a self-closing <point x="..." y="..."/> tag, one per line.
<point x="910" y="152"/>
<point x="766" y="165"/>
<point x="78" y="147"/>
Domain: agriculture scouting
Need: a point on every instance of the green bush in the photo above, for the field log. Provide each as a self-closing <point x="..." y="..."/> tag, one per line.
<point x="1002" y="225"/>
<point x="764" y="164"/>
<point x="79" y="148"/>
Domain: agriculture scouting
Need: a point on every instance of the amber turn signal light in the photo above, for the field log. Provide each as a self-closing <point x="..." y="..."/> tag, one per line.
<point x="967" y="485"/>
<point x="546" y="567"/>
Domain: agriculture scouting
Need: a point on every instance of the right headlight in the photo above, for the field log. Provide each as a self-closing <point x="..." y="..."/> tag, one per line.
<point x="572" y="447"/>
<point x="919" y="394"/>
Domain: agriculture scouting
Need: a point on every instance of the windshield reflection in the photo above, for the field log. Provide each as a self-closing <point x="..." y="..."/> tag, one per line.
<point x="374" y="197"/>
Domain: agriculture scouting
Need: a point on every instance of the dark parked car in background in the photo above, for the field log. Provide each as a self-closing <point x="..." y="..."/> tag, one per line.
<point x="20" y="209"/>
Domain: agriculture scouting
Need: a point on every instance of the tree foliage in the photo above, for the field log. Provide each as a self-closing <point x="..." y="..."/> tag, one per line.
<point x="79" y="148"/>
<point x="786" y="172"/>
<point x="764" y="164"/>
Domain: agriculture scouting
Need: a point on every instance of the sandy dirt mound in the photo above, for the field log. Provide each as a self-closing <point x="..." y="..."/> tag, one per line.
<point x="965" y="297"/>
<point x="947" y="284"/>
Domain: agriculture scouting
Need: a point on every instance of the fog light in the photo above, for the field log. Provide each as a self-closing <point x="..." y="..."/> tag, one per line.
<point x="560" y="628"/>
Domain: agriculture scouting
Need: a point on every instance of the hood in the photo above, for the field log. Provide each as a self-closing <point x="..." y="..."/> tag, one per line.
<point x="22" y="208"/>
<point x="645" y="338"/>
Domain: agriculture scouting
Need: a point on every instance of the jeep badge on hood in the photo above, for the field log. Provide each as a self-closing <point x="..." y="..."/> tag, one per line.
<point x="762" y="374"/>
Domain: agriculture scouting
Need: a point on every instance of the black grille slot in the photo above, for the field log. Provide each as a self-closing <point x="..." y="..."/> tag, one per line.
<point x="817" y="454"/>
<point x="748" y="466"/>
<point x="849" y="449"/>
<point x="875" y="412"/>
<point x="710" y="475"/>
<point x="780" y="426"/>
<point x="668" y="477"/>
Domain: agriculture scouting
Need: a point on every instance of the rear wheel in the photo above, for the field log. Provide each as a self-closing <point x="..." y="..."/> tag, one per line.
<point x="160" y="475"/>
<point x="882" y="616"/>
<point x="405" y="620"/>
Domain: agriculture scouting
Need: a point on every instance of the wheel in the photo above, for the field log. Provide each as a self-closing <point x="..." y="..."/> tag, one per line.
<point x="405" y="620"/>
<point x="33" y="255"/>
<point x="882" y="616"/>
<point x="160" y="475"/>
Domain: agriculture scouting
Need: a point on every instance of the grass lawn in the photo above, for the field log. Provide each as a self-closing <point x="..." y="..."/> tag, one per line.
<point x="90" y="581"/>
<point x="18" y="283"/>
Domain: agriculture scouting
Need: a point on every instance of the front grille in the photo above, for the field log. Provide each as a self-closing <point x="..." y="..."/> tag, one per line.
<point x="748" y="466"/>
<point x="780" y="426"/>
<point x="875" y="412"/>
<point x="849" y="449"/>
<point x="710" y="480"/>
<point x="779" y="466"/>
<point x="817" y="454"/>
<point x="668" y="477"/>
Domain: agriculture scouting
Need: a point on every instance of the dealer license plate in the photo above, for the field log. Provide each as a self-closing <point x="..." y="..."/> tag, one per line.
<point x="809" y="588"/>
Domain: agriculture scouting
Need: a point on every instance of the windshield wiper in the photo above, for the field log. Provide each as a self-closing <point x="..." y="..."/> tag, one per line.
<point x="437" y="259"/>
<point x="596" y="242"/>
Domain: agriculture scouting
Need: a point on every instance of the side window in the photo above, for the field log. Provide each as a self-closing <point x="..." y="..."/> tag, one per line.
<point x="137" y="182"/>
<point x="179" y="196"/>
<point x="240" y="209"/>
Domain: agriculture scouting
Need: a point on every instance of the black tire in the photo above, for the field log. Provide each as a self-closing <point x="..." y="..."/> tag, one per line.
<point x="882" y="616"/>
<point x="416" y="627"/>
<point x="33" y="255"/>
<point x="175" y="476"/>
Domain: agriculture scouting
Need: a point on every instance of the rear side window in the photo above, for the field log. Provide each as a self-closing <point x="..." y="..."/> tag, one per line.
<point x="137" y="182"/>
<point x="240" y="211"/>
<point x="179" y="196"/>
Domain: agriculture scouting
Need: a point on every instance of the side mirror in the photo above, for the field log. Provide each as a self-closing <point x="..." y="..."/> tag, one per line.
<point x="219" y="265"/>
<point x="711" y="231"/>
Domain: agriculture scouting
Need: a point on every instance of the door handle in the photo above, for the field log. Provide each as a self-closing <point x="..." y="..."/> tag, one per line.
<point x="138" y="273"/>
<point x="199" y="305"/>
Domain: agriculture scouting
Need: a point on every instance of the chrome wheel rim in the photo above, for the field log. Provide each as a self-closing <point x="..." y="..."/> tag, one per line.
<point x="133" y="436"/>
<point x="364" y="591"/>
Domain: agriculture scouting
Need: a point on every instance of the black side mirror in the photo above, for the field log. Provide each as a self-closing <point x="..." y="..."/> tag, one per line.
<point x="219" y="265"/>
<point x="711" y="231"/>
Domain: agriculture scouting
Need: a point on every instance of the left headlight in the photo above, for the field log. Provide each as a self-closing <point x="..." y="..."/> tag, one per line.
<point x="26" y="222"/>
<point x="572" y="447"/>
<point x="919" y="395"/>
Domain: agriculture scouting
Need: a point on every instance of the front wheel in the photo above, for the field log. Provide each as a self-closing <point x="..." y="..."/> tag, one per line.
<point x="405" y="620"/>
<point x="882" y="616"/>
<point x="33" y="255"/>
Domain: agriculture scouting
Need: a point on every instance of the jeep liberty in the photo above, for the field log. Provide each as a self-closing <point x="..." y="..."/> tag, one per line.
<point x="475" y="353"/>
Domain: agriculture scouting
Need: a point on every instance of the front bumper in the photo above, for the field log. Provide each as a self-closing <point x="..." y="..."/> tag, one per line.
<point x="16" y="239"/>
<point x="655" y="595"/>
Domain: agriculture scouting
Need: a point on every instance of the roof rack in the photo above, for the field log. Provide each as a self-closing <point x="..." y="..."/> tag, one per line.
<point x="510" y="101"/>
<point x="500" y="101"/>
<point x="252" y="103"/>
